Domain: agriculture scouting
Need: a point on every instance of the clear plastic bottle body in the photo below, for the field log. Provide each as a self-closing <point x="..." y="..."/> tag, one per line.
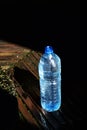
<point x="50" y="81"/>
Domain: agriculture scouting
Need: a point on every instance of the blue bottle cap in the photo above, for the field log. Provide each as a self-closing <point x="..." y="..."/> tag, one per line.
<point x="48" y="49"/>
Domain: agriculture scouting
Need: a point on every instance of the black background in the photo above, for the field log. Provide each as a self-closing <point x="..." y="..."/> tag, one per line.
<point x="64" y="28"/>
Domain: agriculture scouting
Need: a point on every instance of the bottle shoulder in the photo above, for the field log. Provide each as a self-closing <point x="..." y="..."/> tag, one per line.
<point x="50" y="57"/>
<point x="50" y="62"/>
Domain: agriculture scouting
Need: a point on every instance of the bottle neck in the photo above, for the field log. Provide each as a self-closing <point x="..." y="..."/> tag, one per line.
<point x="48" y="50"/>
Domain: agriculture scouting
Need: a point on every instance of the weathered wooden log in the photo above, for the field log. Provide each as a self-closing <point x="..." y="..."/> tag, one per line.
<point x="19" y="68"/>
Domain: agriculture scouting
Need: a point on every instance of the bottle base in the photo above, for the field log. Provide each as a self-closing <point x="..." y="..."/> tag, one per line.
<point x="50" y="108"/>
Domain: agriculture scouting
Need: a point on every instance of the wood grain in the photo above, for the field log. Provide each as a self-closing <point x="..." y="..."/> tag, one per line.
<point x="11" y="53"/>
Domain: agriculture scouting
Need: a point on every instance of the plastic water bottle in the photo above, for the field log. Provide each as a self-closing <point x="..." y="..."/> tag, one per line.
<point x="50" y="80"/>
